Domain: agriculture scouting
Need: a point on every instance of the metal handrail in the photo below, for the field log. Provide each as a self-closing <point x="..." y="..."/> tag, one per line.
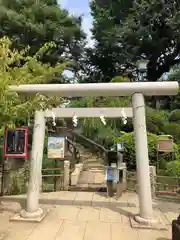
<point x="88" y="140"/>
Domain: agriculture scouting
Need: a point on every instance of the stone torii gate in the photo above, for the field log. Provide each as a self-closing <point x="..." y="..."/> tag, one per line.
<point x="137" y="91"/>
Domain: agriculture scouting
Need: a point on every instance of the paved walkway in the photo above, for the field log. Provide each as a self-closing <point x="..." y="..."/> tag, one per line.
<point x="83" y="216"/>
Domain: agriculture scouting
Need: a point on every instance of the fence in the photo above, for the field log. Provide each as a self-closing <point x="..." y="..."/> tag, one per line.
<point x="52" y="179"/>
<point x="167" y="186"/>
<point x="162" y="186"/>
<point x="75" y="154"/>
<point x="14" y="181"/>
<point x="56" y="177"/>
<point x="131" y="181"/>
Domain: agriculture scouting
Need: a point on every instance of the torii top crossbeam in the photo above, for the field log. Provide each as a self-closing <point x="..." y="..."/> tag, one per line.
<point x="100" y="89"/>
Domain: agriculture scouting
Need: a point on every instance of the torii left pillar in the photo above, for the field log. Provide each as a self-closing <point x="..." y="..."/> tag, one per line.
<point x="33" y="212"/>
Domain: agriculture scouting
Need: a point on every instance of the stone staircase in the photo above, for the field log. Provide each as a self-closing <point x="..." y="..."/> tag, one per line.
<point x="93" y="174"/>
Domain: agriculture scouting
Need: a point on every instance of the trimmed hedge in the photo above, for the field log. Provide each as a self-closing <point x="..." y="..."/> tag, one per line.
<point x="174" y="116"/>
<point x="156" y="121"/>
<point x="174" y="130"/>
<point x="173" y="168"/>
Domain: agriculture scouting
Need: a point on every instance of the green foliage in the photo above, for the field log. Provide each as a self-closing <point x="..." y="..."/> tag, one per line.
<point x="162" y="164"/>
<point x="173" y="168"/>
<point x="18" y="181"/>
<point x="174" y="73"/>
<point x="174" y="130"/>
<point x="79" y="103"/>
<point x="157" y="124"/>
<point x="129" y="146"/>
<point x="32" y="71"/>
<point x="156" y="120"/>
<point x="175" y="116"/>
<point x="33" y="23"/>
<point x="93" y="127"/>
<point x="120" y="79"/>
<point x="126" y="31"/>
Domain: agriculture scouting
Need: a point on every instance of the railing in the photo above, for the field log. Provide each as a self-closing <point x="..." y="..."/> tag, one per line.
<point x="167" y="186"/>
<point x="15" y="181"/>
<point x="131" y="178"/>
<point x="90" y="144"/>
<point x="52" y="179"/>
<point x="75" y="153"/>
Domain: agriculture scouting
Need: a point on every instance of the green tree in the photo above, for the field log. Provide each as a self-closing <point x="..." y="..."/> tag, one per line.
<point x="126" y="31"/>
<point x="174" y="75"/>
<point x="173" y="168"/>
<point x="33" y="23"/>
<point x="156" y="121"/>
<point x="33" y="71"/>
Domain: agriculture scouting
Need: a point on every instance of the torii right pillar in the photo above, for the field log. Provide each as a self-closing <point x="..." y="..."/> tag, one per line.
<point x="142" y="160"/>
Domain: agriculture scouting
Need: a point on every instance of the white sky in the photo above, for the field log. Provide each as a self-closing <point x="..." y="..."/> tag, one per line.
<point x="79" y="7"/>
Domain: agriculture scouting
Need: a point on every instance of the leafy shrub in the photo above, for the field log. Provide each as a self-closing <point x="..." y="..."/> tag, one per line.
<point x="18" y="181"/>
<point x="174" y="73"/>
<point x="129" y="149"/>
<point x="156" y="120"/>
<point x="120" y="79"/>
<point x="173" y="168"/>
<point x="174" y="116"/>
<point x="173" y="129"/>
<point x="162" y="164"/>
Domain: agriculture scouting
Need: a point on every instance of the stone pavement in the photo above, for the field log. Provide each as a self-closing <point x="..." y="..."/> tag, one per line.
<point x="83" y="216"/>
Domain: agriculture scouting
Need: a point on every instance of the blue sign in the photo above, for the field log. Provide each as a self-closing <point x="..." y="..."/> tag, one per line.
<point x="112" y="174"/>
<point x="109" y="174"/>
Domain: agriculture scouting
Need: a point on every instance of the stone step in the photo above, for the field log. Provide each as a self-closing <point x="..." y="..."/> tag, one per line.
<point x="95" y="167"/>
<point x="93" y="174"/>
<point x="93" y="164"/>
<point x="92" y="177"/>
<point x="90" y="159"/>
<point x="92" y="168"/>
<point x="91" y="185"/>
<point x="88" y="188"/>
